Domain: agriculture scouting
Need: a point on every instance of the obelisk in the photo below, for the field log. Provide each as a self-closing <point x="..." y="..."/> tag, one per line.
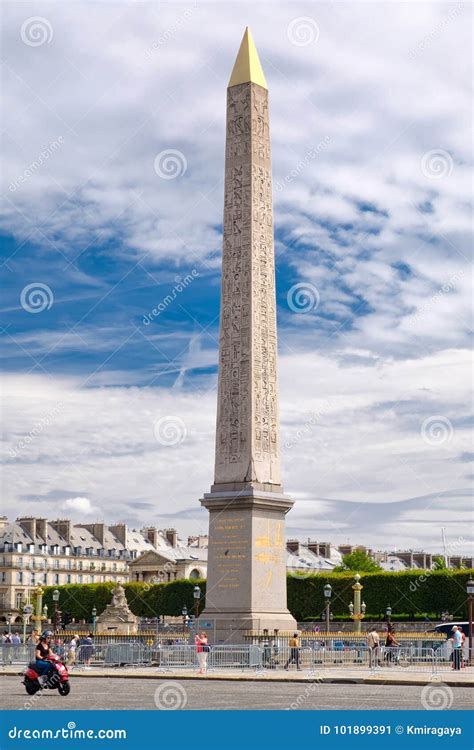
<point x="246" y="580"/>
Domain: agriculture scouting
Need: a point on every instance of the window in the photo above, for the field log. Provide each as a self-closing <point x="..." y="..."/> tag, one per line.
<point x="19" y="577"/>
<point x="56" y="579"/>
<point x="33" y="579"/>
<point x="3" y="577"/>
<point x="45" y="579"/>
<point x="194" y="573"/>
<point x="92" y="579"/>
<point x="114" y="567"/>
<point x="80" y="565"/>
<point x="19" y="562"/>
<point x="56" y="564"/>
<point x="80" y="578"/>
<point x="68" y="578"/>
<point x="2" y="600"/>
<point x="18" y="599"/>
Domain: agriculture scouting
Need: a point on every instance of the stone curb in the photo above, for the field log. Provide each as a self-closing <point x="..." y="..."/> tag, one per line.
<point x="331" y="678"/>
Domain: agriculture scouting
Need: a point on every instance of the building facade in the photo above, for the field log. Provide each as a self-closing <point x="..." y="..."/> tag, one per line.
<point x="37" y="552"/>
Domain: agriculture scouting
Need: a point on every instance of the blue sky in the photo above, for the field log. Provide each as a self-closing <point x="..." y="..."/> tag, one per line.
<point x="370" y="125"/>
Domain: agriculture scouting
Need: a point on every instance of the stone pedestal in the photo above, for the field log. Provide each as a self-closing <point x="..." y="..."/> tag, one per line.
<point x="246" y="581"/>
<point x="117" y="617"/>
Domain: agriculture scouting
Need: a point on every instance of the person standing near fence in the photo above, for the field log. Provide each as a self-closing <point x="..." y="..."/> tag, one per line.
<point x="457" y="647"/>
<point x="391" y="646"/>
<point x="87" y="651"/>
<point x="202" y="648"/>
<point x="373" y="643"/>
<point x="294" y="644"/>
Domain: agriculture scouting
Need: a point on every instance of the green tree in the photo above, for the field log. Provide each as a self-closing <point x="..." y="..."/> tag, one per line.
<point x="439" y="563"/>
<point x="358" y="561"/>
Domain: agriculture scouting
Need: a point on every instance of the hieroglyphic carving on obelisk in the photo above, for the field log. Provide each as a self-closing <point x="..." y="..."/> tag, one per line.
<point x="247" y="444"/>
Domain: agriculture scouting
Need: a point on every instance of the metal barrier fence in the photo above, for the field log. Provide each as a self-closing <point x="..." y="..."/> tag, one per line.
<point x="274" y="656"/>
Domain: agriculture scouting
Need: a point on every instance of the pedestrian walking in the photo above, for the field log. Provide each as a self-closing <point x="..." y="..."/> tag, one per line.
<point x="294" y="657"/>
<point x="16" y="643"/>
<point x="457" y="647"/>
<point x="373" y="644"/>
<point x="72" y="651"/>
<point x="7" y="647"/>
<point x="202" y="648"/>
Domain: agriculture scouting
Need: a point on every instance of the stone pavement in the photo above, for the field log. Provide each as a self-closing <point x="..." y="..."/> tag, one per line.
<point x="463" y="678"/>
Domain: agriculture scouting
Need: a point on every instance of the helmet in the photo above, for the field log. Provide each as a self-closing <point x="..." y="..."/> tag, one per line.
<point x="46" y="634"/>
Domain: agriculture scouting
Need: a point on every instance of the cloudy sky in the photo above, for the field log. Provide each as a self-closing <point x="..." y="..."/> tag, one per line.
<point x="113" y="139"/>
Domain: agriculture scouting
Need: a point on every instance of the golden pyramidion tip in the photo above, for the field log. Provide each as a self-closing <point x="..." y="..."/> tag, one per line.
<point x="247" y="68"/>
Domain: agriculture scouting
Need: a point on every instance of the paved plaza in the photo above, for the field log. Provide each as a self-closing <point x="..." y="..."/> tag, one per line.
<point x="135" y="694"/>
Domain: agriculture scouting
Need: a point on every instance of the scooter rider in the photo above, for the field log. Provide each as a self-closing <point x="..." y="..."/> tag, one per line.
<point x="43" y="651"/>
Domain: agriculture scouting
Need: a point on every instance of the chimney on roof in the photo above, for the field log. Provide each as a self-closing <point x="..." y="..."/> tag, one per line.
<point x="120" y="531"/>
<point x="42" y="528"/>
<point x="201" y="541"/>
<point x="28" y="524"/>
<point x="171" y="537"/>
<point x="96" y="529"/>
<point x="3" y="522"/>
<point x="293" y="545"/>
<point x="313" y="547"/>
<point x="63" y="527"/>
<point x="151" y="534"/>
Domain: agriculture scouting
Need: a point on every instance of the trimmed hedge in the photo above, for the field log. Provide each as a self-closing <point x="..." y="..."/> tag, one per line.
<point x="144" y="600"/>
<point x="413" y="593"/>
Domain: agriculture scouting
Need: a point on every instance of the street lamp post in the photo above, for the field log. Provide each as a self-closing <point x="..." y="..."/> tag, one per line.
<point x="197" y="596"/>
<point x="470" y="592"/>
<point x="94" y="620"/>
<point x="10" y="618"/>
<point x="358" y="608"/>
<point x="327" y="597"/>
<point x="184" y="613"/>
<point x="56" y="610"/>
<point x="45" y="613"/>
<point x="27" y="612"/>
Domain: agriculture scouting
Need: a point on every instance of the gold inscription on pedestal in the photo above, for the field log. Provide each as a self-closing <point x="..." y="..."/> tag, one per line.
<point x="230" y="551"/>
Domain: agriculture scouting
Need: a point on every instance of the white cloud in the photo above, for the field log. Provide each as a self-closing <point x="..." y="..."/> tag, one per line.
<point x="78" y="506"/>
